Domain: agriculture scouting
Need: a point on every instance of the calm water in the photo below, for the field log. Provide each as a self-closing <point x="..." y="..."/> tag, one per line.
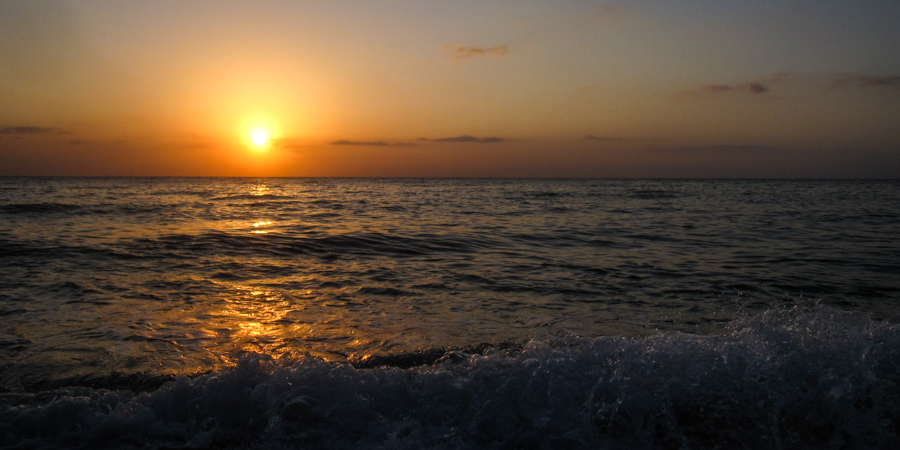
<point x="120" y="283"/>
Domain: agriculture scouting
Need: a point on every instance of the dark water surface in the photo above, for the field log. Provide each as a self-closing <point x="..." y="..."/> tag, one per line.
<point x="117" y="284"/>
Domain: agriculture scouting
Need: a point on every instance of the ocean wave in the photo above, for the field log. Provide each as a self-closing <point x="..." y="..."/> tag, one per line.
<point x="313" y="243"/>
<point x="87" y="211"/>
<point x="38" y="208"/>
<point x="784" y="379"/>
<point x="654" y="194"/>
<point x="254" y="197"/>
<point x="36" y="253"/>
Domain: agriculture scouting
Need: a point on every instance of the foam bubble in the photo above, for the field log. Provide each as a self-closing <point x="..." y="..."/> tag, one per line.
<point x="803" y="377"/>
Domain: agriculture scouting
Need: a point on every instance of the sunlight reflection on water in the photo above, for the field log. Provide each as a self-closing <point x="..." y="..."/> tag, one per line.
<point x="189" y="274"/>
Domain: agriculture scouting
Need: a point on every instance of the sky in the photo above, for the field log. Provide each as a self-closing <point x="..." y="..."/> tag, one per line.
<point x="528" y="88"/>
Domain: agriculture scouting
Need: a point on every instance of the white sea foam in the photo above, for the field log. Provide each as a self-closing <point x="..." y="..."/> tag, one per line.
<point x="784" y="379"/>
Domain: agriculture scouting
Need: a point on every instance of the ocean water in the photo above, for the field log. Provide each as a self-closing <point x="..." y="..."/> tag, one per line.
<point x="449" y="313"/>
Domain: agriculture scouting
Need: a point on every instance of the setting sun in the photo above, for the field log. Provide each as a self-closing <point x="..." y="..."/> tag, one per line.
<point x="259" y="137"/>
<point x="259" y="130"/>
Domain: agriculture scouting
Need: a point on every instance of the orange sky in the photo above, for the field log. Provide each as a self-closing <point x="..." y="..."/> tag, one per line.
<point x="403" y="88"/>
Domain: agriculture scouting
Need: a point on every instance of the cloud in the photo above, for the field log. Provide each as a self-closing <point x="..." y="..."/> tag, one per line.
<point x="369" y="143"/>
<point x="724" y="148"/>
<point x="751" y="87"/>
<point x="461" y="52"/>
<point x="738" y="148"/>
<point x="757" y="88"/>
<point x="94" y="142"/>
<point x="591" y="137"/>
<point x="286" y="143"/>
<point x="891" y="81"/>
<point x="32" y="131"/>
<point x="764" y="85"/>
<point x="467" y="138"/>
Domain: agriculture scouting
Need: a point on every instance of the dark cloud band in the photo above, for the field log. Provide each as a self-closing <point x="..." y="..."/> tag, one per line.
<point x="32" y="130"/>
<point x="753" y="88"/>
<point x="591" y="137"/>
<point x="461" y="52"/>
<point x="467" y="138"/>
<point x="366" y="143"/>
<point x="892" y="81"/>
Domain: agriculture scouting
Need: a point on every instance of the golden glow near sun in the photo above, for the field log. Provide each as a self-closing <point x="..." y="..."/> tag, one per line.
<point x="259" y="131"/>
<point x="259" y="137"/>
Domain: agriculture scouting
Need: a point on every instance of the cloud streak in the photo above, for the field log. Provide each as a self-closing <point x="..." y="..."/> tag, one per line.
<point x="753" y="88"/>
<point x="288" y="143"/>
<point x="591" y="137"/>
<point x="32" y="131"/>
<point x="890" y="81"/>
<point x="348" y="142"/>
<point x="363" y="143"/>
<point x="461" y="52"/>
<point x="721" y="148"/>
<point x="756" y="87"/>
<point x="95" y="142"/>
<point x="837" y="81"/>
<point x="466" y="138"/>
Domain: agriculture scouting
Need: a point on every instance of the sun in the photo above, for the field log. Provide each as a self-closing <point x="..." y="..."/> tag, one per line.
<point x="259" y="137"/>
<point x="259" y="131"/>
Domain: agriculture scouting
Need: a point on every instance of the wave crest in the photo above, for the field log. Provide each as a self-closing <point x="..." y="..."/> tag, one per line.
<point x="779" y="380"/>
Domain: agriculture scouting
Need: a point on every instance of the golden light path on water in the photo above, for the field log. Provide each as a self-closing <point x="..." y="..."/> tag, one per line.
<point x="278" y="324"/>
<point x="295" y="312"/>
<point x="284" y="323"/>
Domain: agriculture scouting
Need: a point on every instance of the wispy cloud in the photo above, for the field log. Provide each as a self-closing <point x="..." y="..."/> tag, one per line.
<point x="288" y="143"/>
<point x="591" y="137"/>
<point x="370" y="143"/>
<point x="891" y="81"/>
<point x="32" y="131"/>
<point x="818" y="81"/>
<point x="719" y="148"/>
<point x="755" y="87"/>
<point x="366" y="143"/>
<point x="460" y="52"/>
<point x="467" y="138"/>
<point x="95" y="142"/>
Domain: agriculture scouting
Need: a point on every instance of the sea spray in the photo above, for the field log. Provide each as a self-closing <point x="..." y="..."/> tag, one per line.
<point x="791" y="378"/>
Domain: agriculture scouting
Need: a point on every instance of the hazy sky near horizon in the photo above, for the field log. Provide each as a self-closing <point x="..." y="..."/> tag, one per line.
<point x="699" y="88"/>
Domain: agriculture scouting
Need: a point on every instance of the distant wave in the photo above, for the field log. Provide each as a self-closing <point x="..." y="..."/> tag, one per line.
<point x="31" y="208"/>
<point x="314" y="243"/>
<point x="784" y="379"/>
<point x="257" y="197"/>
<point x="52" y="208"/>
<point x="31" y="253"/>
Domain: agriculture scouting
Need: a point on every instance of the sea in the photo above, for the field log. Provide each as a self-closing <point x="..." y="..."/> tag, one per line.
<point x="219" y="313"/>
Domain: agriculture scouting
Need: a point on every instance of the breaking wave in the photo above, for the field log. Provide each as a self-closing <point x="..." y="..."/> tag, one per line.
<point x="784" y="379"/>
